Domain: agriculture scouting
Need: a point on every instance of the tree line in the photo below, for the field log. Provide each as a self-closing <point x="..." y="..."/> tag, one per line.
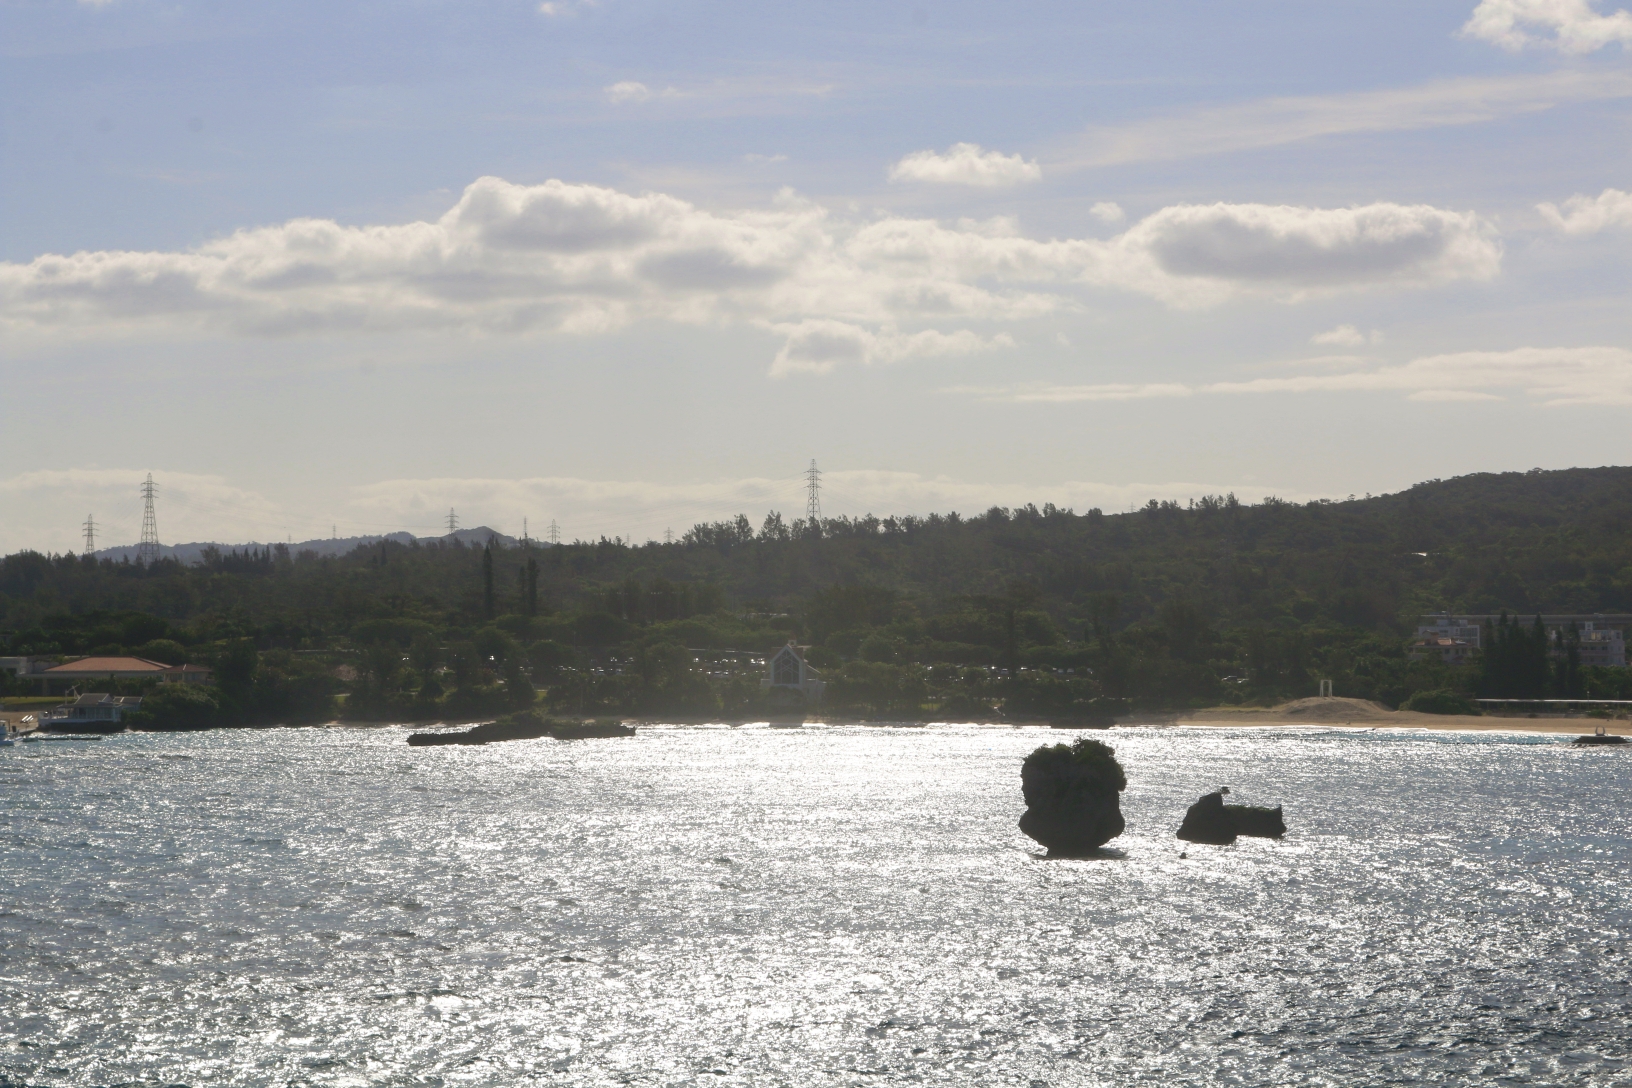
<point x="1011" y="611"/>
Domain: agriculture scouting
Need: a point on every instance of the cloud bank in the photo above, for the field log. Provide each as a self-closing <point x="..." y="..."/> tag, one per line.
<point x="1570" y="26"/>
<point x="1589" y="215"/>
<point x="583" y="259"/>
<point x="966" y="164"/>
<point x="1552" y="376"/>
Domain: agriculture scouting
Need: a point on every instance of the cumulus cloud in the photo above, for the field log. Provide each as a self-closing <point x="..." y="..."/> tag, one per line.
<point x="1107" y="212"/>
<point x="583" y="259"/>
<point x="628" y="91"/>
<point x="966" y="164"/>
<point x="1588" y="214"/>
<point x="1551" y="376"/>
<point x="1186" y="252"/>
<point x="1570" y="26"/>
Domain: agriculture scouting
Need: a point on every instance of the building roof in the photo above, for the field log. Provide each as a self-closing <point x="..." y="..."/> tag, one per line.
<point x="108" y="664"/>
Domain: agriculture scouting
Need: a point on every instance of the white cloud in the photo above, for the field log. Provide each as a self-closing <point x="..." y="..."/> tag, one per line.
<point x="966" y="164"/>
<point x="1552" y="376"/>
<point x="817" y="345"/>
<point x="628" y="91"/>
<point x="1107" y="212"/>
<point x="582" y="259"/>
<point x="209" y="508"/>
<point x="1272" y="122"/>
<point x="1187" y="252"/>
<point x="1589" y="215"/>
<point x="1342" y="336"/>
<point x="190" y="508"/>
<point x="1570" y="26"/>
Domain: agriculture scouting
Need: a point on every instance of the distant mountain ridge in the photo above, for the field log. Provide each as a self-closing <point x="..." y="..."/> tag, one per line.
<point x="343" y="545"/>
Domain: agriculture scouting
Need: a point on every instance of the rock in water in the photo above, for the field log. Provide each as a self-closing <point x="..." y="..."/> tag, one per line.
<point x="1210" y="820"/>
<point x="1071" y="796"/>
<point x="1258" y="822"/>
<point x="1206" y="821"/>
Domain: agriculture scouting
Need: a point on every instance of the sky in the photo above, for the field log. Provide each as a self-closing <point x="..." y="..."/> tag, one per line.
<point x="343" y="267"/>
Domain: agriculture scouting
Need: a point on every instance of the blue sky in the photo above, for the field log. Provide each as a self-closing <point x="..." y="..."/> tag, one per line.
<point x="631" y="265"/>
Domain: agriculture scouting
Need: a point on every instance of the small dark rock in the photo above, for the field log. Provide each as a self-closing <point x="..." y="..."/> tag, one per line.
<point x="1210" y="820"/>
<point x="1071" y="792"/>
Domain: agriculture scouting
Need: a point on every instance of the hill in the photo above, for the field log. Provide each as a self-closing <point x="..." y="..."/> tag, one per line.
<point x="1218" y="600"/>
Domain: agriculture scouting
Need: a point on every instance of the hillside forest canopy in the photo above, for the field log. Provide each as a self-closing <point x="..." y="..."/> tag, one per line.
<point x="1012" y="612"/>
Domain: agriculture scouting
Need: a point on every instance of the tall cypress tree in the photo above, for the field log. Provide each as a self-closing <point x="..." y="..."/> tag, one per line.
<point x="1514" y="663"/>
<point x="1567" y="664"/>
<point x="487" y="580"/>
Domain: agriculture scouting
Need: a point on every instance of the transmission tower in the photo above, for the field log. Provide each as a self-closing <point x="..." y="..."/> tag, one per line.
<point x="813" y="504"/>
<point x="90" y="535"/>
<point x="555" y="532"/>
<point x="453" y="521"/>
<point x="148" y="550"/>
<point x="668" y="536"/>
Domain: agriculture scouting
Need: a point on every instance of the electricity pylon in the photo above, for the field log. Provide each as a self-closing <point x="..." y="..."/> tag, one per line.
<point x="813" y="504"/>
<point x="147" y="552"/>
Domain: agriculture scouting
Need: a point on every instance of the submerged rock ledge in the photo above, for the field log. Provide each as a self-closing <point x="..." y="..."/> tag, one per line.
<point x="525" y="726"/>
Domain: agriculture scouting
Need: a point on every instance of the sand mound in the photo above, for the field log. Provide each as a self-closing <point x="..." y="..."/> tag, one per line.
<point x="1332" y="710"/>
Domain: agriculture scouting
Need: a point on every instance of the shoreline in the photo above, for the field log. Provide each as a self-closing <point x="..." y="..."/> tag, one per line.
<point x="1217" y="717"/>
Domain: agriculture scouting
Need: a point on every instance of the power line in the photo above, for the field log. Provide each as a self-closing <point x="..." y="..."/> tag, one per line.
<point x="147" y="552"/>
<point x="813" y="504"/>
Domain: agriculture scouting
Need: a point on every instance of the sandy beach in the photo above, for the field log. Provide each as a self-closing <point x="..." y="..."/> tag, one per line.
<point x="1367" y="714"/>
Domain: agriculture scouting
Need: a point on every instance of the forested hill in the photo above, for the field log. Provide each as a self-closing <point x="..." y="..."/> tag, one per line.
<point x="1553" y="541"/>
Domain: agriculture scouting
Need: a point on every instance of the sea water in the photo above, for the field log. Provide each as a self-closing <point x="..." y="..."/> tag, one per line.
<point x="819" y="906"/>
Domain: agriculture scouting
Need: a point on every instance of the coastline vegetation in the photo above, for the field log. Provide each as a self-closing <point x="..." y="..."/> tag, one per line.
<point x="1012" y="613"/>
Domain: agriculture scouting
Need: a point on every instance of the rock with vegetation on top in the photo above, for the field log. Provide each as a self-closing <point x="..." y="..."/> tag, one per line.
<point x="1210" y="820"/>
<point x="1072" y="797"/>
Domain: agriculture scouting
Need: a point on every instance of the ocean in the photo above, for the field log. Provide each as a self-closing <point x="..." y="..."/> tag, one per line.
<point x="817" y="906"/>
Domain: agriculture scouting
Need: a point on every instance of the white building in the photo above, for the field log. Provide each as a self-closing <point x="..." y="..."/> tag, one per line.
<point x="1445" y="625"/>
<point x="91" y="710"/>
<point x="789" y="672"/>
<point x="1602" y="646"/>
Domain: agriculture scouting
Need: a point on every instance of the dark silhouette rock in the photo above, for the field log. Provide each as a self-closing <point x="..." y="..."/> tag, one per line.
<point x="1206" y="821"/>
<point x="1257" y="821"/>
<point x="1210" y="820"/>
<point x="1071" y="792"/>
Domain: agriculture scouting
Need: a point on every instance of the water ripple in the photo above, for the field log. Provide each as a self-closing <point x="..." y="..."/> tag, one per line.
<point x="810" y="907"/>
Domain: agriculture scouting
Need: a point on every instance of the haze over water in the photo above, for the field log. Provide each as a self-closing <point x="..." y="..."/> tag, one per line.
<point x="823" y="906"/>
